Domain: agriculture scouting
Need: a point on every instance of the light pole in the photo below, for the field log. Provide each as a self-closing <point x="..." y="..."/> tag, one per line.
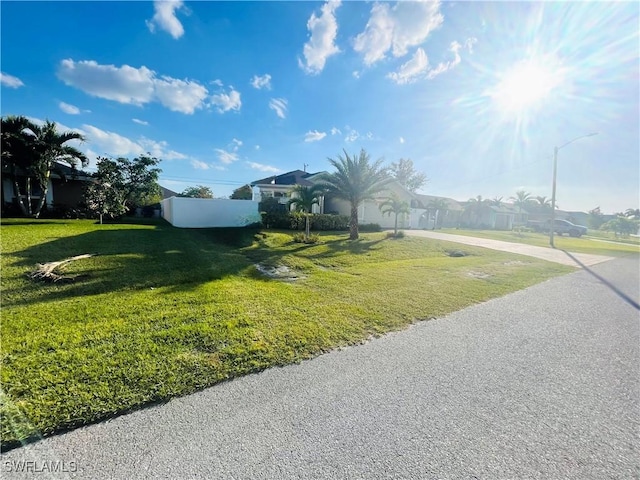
<point x="553" y="188"/>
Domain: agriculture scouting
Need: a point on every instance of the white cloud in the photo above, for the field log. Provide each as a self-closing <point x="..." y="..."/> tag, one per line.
<point x="236" y="143"/>
<point x="257" y="147"/>
<point x="455" y="49"/>
<point x="279" y="105"/>
<point x="356" y="74"/>
<point x="261" y="82"/>
<point x="139" y="122"/>
<point x="412" y="70"/>
<point x="335" y="131"/>
<point x="70" y="109"/>
<point x="183" y="96"/>
<point x="165" y="17"/>
<point x="110" y="143"/>
<point x="122" y="84"/>
<point x="314" y="136"/>
<point x="352" y="135"/>
<point x="263" y="168"/>
<point x="217" y="82"/>
<point x="397" y="28"/>
<point x="160" y="149"/>
<point x="200" y="165"/>
<point x="10" y="81"/>
<point x="130" y="85"/>
<point x="225" y="156"/>
<point x="321" y="44"/>
<point x="227" y="101"/>
<point x="401" y="139"/>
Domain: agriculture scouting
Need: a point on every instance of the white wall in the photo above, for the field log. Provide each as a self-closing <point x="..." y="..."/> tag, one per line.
<point x="208" y="212"/>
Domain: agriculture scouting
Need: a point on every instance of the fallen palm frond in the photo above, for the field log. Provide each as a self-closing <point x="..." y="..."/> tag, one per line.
<point x="47" y="271"/>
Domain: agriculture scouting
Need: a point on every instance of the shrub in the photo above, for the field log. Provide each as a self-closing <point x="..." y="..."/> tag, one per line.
<point x="299" y="238"/>
<point x="400" y="234"/>
<point x="369" y="227"/>
<point x="296" y="221"/>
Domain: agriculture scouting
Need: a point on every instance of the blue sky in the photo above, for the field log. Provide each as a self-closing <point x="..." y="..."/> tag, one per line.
<point x="476" y="94"/>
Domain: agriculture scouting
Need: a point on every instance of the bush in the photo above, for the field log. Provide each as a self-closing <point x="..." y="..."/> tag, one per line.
<point x="299" y="238"/>
<point x="369" y="227"/>
<point x="296" y="221"/>
<point x="400" y="234"/>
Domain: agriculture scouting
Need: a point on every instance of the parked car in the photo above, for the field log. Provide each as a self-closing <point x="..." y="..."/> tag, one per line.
<point x="560" y="227"/>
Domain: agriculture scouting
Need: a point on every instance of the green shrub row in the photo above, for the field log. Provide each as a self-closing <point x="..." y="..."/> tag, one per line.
<point x="319" y="222"/>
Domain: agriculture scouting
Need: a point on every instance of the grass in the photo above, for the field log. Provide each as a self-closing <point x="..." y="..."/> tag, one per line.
<point x="161" y="311"/>
<point x="585" y="244"/>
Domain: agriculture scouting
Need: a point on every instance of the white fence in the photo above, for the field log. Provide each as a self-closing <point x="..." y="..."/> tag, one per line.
<point x="209" y="212"/>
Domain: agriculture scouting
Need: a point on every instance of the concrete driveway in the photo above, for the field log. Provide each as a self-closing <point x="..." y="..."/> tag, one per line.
<point x="549" y="254"/>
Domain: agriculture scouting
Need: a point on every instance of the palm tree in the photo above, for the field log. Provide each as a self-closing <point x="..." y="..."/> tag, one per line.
<point x="17" y="156"/>
<point x="305" y="198"/>
<point x="543" y="201"/>
<point x="437" y="205"/>
<point x="633" y="213"/>
<point x="35" y="149"/>
<point x="49" y="148"/>
<point x="393" y="204"/>
<point x="522" y="199"/>
<point x="474" y="207"/>
<point x="355" y="180"/>
<point x="495" y="202"/>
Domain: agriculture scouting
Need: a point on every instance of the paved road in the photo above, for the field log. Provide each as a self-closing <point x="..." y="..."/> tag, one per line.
<point x="540" y="384"/>
<point x="545" y="253"/>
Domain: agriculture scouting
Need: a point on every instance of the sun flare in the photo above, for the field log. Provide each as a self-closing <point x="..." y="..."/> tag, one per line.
<point x="524" y="87"/>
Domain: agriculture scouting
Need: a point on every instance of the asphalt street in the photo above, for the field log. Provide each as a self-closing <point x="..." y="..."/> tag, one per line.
<point x="540" y="384"/>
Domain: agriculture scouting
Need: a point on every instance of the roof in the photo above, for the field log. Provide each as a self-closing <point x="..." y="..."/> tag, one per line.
<point x="166" y="193"/>
<point x="295" y="177"/>
<point x="425" y="200"/>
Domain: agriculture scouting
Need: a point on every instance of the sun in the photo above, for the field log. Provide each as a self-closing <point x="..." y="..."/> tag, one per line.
<point x="524" y="87"/>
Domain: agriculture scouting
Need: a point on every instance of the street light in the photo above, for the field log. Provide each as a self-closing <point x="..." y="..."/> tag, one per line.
<point x="553" y="189"/>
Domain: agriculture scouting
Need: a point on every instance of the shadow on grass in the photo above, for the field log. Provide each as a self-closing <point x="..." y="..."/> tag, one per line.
<point x="131" y="259"/>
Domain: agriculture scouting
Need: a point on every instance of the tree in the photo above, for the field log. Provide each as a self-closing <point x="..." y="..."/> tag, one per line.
<point x="633" y="213"/>
<point x="495" y="202"/>
<point x="199" y="191"/>
<point x="122" y="184"/>
<point x="393" y="204"/>
<point x="438" y="205"/>
<point x="36" y="149"/>
<point x="474" y="208"/>
<point x="243" y="193"/>
<point x="543" y="201"/>
<point x="596" y="218"/>
<point x="522" y="199"/>
<point x="355" y="180"/>
<point x="406" y="175"/>
<point x="304" y="200"/>
<point x="621" y="226"/>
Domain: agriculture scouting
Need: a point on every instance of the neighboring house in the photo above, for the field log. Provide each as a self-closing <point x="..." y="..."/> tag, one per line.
<point x="66" y="187"/>
<point x="166" y="193"/>
<point x="421" y="216"/>
<point x="279" y="187"/>
<point x="503" y="217"/>
<point x="433" y="217"/>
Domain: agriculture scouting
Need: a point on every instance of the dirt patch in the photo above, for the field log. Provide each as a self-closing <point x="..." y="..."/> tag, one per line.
<point x="279" y="272"/>
<point x="480" y="275"/>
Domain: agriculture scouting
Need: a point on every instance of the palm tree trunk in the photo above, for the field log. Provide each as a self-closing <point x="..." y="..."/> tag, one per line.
<point x="17" y="193"/>
<point x="395" y="227"/>
<point x="353" y="224"/>
<point x="28" y="188"/>
<point x="307" y="227"/>
<point x="44" y="187"/>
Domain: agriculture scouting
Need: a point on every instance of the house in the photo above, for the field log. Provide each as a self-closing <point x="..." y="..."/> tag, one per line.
<point x="422" y="214"/>
<point x="66" y="188"/>
<point x="488" y="216"/>
<point x="279" y="186"/>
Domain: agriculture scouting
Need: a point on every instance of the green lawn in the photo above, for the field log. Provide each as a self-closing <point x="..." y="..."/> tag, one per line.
<point x="162" y="311"/>
<point x="601" y="244"/>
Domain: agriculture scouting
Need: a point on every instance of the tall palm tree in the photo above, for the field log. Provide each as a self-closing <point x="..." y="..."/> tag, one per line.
<point x="393" y="204"/>
<point x="522" y="199"/>
<point x="49" y="148"/>
<point x="438" y="205"/>
<point x="17" y="155"/>
<point x="304" y="200"/>
<point x="496" y="202"/>
<point x="633" y="213"/>
<point x="474" y="207"/>
<point x="355" y="180"/>
<point x="543" y="201"/>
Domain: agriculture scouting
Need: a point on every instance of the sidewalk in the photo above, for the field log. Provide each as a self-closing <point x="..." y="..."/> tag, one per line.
<point x="544" y="253"/>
